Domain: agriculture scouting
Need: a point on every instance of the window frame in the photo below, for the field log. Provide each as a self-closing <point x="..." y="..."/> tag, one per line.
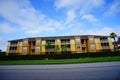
<point x="91" y="39"/>
<point x="36" y="49"/>
<point x="92" y="46"/>
<point x="77" y="40"/>
<point x="24" y="49"/>
<point x="78" y="47"/>
<point x="25" y="42"/>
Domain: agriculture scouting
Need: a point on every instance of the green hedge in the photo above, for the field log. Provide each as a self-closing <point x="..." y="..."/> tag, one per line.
<point x="2" y="53"/>
<point x="59" y="56"/>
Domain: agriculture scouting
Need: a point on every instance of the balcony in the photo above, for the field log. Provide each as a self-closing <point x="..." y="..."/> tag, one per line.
<point x="68" y="49"/>
<point x="83" y="45"/>
<point x="32" y="47"/>
<point x="13" y="51"/>
<point x="13" y="45"/>
<point x="103" y="41"/>
<point x="105" y="47"/>
<point x="50" y="50"/>
<point x="65" y="42"/>
<point x="50" y="42"/>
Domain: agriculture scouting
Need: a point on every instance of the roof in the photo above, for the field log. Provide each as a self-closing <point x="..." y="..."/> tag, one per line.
<point x="60" y="37"/>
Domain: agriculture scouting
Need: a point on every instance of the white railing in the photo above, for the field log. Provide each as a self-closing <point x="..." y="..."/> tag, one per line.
<point x="32" y="47"/>
<point x="83" y="45"/>
<point x="66" y="49"/>
<point x="13" y="51"/>
<point x="50" y="49"/>
<point x="13" y="45"/>
<point x="65" y="42"/>
<point x="103" y="41"/>
<point x="50" y="42"/>
<point x="105" y="47"/>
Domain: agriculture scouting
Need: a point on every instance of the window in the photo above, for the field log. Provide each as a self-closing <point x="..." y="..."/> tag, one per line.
<point x="24" y="49"/>
<point x="37" y="48"/>
<point x="78" y="46"/>
<point x="25" y="42"/>
<point x="43" y="42"/>
<point x="77" y="40"/>
<point x="92" y="46"/>
<point x="38" y="42"/>
<point x="72" y="41"/>
<point x="91" y="39"/>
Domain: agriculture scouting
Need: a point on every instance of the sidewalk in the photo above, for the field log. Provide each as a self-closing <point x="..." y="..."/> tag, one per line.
<point x="60" y="66"/>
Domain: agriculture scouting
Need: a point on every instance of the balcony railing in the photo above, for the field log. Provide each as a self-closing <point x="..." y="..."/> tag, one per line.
<point x="50" y="49"/>
<point x="32" y="47"/>
<point x="13" y="45"/>
<point x="50" y="42"/>
<point x="103" y="41"/>
<point x="25" y="44"/>
<point x="105" y="47"/>
<point x="66" y="49"/>
<point x="65" y="42"/>
<point x="83" y="45"/>
<point x="13" y="51"/>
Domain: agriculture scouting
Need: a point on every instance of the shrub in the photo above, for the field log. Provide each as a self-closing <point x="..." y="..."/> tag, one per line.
<point x="59" y="56"/>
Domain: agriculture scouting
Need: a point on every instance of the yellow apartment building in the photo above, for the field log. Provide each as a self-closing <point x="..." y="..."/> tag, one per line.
<point x="60" y="44"/>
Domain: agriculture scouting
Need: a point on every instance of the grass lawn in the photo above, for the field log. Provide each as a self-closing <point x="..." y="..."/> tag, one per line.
<point x="63" y="61"/>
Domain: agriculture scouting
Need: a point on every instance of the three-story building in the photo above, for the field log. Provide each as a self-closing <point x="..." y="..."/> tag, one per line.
<point x="59" y="44"/>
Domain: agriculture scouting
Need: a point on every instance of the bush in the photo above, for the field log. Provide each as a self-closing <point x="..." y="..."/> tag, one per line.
<point x="59" y="56"/>
<point x="2" y="53"/>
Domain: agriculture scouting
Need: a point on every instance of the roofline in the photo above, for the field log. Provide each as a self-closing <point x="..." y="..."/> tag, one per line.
<point x="58" y="37"/>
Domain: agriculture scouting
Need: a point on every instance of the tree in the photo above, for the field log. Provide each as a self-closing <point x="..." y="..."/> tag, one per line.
<point x="119" y="39"/>
<point x="57" y="48"/>
<point x="48" y="45"/>
<point x="63" y="48"/>
<point x="113" y="35"/>
<point x="118" y="42"/>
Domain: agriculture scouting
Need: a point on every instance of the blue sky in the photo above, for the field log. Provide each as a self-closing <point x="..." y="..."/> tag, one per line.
<point x="33" y="18"/>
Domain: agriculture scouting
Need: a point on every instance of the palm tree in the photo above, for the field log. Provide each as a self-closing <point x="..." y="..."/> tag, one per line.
<point x="113" y="35"/>
<point x="118" y="42"/>
<point x="119" y="39"/>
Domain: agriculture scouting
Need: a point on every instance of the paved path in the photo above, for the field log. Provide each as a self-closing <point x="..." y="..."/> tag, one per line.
<point x="84" y="71"/>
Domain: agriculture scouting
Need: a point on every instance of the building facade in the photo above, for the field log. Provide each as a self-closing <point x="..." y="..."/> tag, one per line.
<point x="59" y="44"/>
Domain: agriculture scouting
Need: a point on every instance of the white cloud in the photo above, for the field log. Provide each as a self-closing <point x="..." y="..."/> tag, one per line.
<point x="96" y="31"/>
<point x="6" y="28"/>
<point x="3" y="44"/>
<point x="114" y="8"/>
<point x="91" y="18"/>
<point x="83" y="6"/>
<point x="77" y="8"/>
<point x="70" y="16"/>
<point x="66" y="3"/>
<point x="27" y="17"/>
